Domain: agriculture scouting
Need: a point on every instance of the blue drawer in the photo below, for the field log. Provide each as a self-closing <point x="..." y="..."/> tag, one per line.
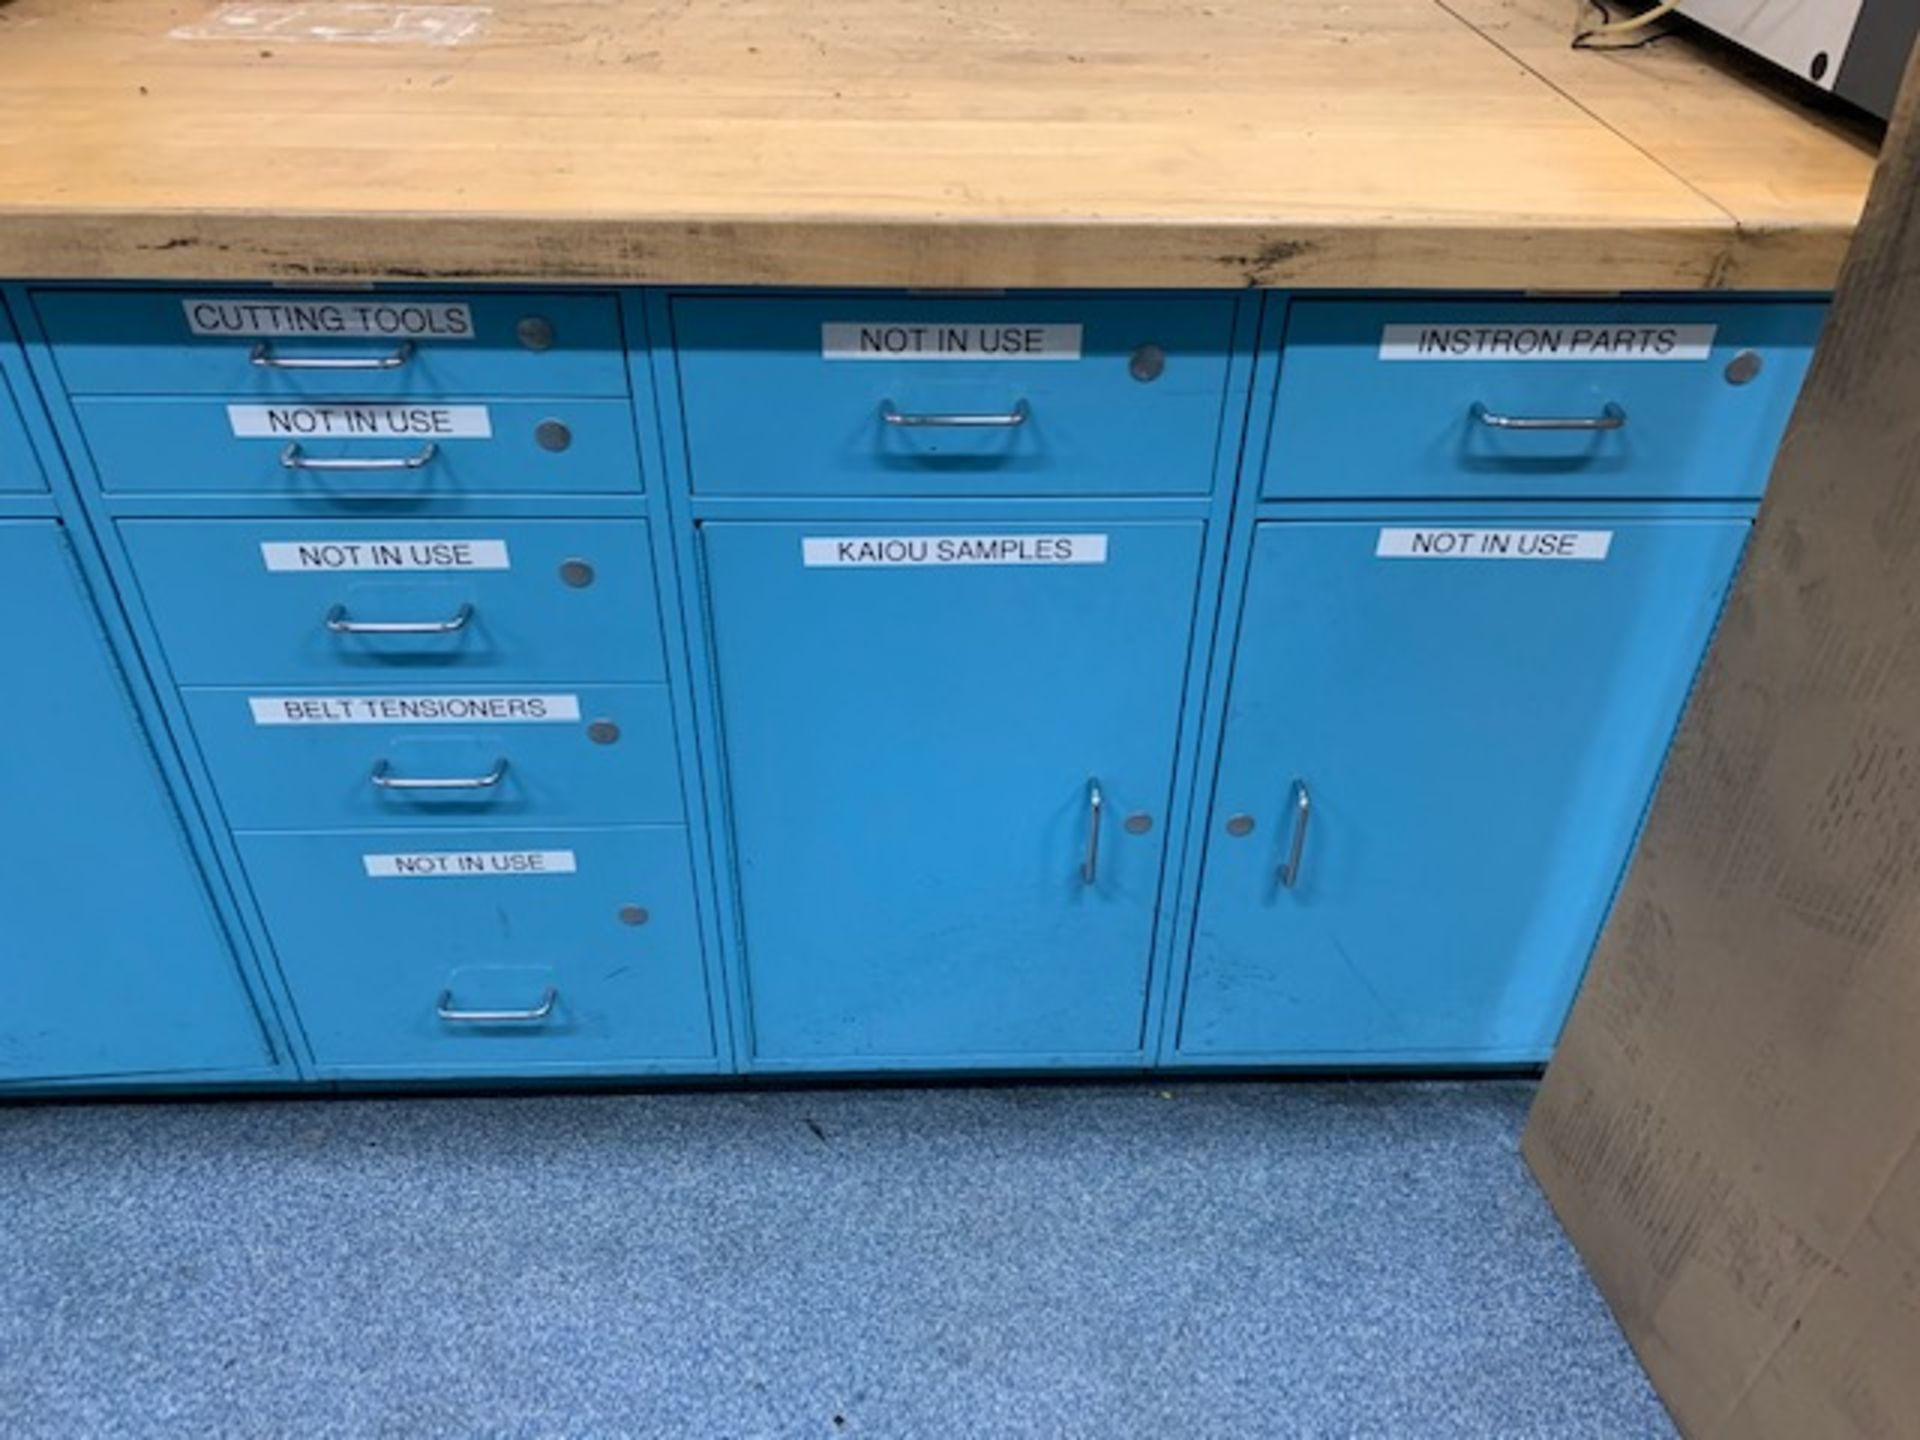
<point x="776" y="402"/>
<point x="18" y="468"/>
<point x="298" y="759"/>
<point x="264" y="343"/>
<point x="557" y="600"/>
<point x="1350" y="422"/>
<point x="585" y="939"/>
<point x="405" y="451"/>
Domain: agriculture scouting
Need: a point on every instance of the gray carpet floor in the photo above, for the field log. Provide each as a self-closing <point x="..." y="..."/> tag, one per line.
<point x="1109" y="1261"/>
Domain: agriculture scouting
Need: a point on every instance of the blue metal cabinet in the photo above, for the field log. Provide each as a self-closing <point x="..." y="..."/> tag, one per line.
<point x="488" y="952"/>
<point x="263" y="344"/>
<point x="299" y="759"/>
<point x="931" y="396"/>
<point x="945" y="752"/>
<point x="112" y="961"/>
<point x="317" y="451"/>
<point x="916" y="724"/>
<point x="1535" y="399"/>
<point x="1468" y="732"/>
<point x="251" y="602"/>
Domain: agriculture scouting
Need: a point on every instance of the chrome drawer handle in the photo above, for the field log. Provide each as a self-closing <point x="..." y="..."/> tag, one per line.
<point x="293" y="459"/>
<point x="1090" y="866"/>
<point x="264" y="357"/>
<point x="1612" y="417"/>
<point x="1015" y="416"/>
<point x="453" y="1015"/>
<point x="383" y="778"/>
<point x="1302" y="813"/>
<point x="339" y="624"/>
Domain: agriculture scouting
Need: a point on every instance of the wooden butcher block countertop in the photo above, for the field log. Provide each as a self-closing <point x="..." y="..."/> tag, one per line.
<point x="941" y="143"/>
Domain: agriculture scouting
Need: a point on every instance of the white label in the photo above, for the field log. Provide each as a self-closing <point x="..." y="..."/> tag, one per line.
<point x="1546" y="342"/>
<point x="469" y="862"/>
<point x="328" y="316"/>
<point x="360" y="422"/>
<point x="892" y="550"/>
<point x="338" y="22"/>
<point x="412" y="709"/>
<point x="860" y="340"/>
<point x="385" y="554"/>
<point x="1494" y="544"/>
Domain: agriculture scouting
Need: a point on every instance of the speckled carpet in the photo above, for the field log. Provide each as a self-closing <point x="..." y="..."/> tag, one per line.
<point x="1106" y="1261"/>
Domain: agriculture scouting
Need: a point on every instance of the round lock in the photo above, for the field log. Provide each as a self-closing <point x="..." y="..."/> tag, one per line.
<point x="552" y="435"/>
<point x="1139" y="824"/>
<point x="603" y="732"/>
<point x="1147" y="363"/>
<point x="1743" y="367"/>
<point x="535" y="332"/>
<point x="634" y="915"/>
<point x="576" y="573"/>
<point x="1240" y="825"/>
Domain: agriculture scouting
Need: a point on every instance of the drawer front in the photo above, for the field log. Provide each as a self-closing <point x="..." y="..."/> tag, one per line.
<point x="298" y="759"/>
<point x="248" y="602"/>
<point x="318" y="451"/>
<point x="397" y="946"/>
<point x="795" y="396"/>
<point x="379" y="345"/>
<point x="1406" y="398"/>
<point x="18" y="468"/>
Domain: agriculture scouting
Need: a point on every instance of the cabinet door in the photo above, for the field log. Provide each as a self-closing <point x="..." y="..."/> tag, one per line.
<point x="111" y="959"/>
<point x="916" y="723"/>
<point x="1468" y="732"/>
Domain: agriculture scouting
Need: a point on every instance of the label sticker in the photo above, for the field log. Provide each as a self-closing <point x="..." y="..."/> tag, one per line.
<point x="860" y="340"/>
<point x="1546" y="342"/>
<point x="385" y="554"/>
<point x="257" y="319"/>
<point x="338" y="22"/>
<point x="411" y="709"/>
<point x="1494" y="544"/>
<point x="469" y="862"/>
<point x="895" y="550"/>
<point x="360" y="422"/>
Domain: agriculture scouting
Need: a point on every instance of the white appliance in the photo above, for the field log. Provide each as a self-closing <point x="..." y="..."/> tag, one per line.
<point x="1855" y="48"/>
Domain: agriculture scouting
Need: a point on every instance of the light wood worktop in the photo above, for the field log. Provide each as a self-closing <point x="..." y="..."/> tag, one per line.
<point x="912" y="142"/>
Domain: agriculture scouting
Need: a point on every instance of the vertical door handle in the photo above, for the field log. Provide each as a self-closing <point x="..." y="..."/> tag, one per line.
<point x="1090" y="866"/>
<point x="1302" y="814"/>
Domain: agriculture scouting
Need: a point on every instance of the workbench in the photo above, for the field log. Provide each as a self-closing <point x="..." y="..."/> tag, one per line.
<point x="632" y="540"/>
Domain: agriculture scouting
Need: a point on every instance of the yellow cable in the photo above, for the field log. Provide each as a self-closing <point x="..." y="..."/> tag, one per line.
<point x="1633" y="22"/>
